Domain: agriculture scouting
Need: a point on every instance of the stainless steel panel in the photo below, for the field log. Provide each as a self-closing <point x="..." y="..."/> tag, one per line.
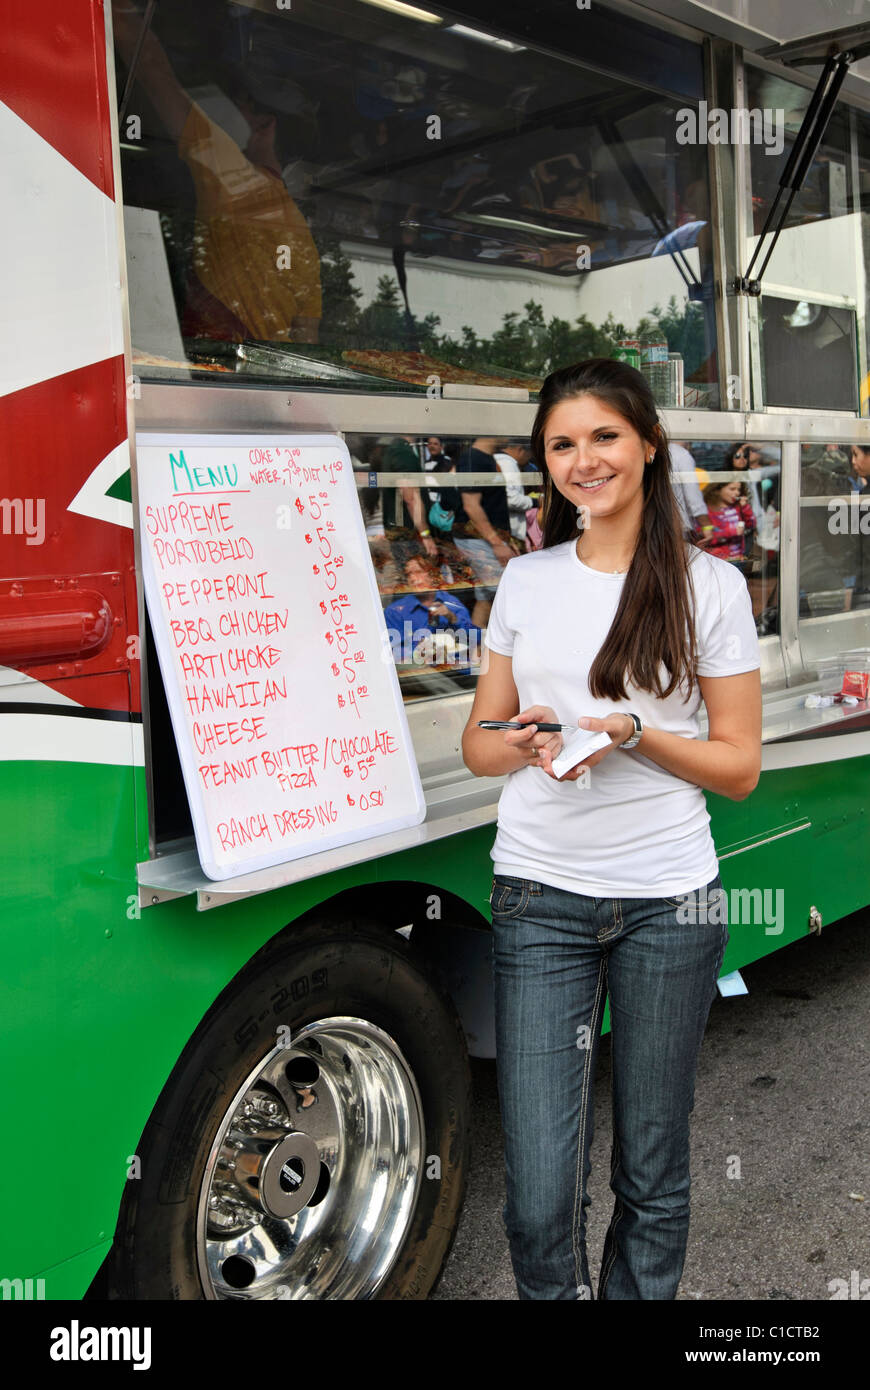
<point x="839" y="301"/>
<point x="828" y="634"/>
<point x="726" y="210"/>
<point x="739" y="307"/>
<point x="220" y="408"/>
<point x="785" y="717"/>
<point x="212" y="408"/>
<point x="772" y="665"/>
<point x="820" y="425"/>
<point x="861" y="312"/>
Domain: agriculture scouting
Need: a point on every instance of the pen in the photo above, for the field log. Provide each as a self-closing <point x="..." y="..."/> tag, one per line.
<point x="506" y="724"/>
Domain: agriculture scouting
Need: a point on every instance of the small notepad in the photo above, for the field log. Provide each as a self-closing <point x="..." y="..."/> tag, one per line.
<point x="580" y="745"/>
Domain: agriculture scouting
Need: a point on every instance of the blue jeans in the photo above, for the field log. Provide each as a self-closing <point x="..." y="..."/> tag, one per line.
<point x="556" y="956"/>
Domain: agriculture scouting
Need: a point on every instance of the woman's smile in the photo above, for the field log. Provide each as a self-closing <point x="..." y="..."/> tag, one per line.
<point x="596" y="483"/>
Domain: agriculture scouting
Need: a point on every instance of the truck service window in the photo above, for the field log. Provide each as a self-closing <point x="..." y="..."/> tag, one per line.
<point x="343" y="196"/>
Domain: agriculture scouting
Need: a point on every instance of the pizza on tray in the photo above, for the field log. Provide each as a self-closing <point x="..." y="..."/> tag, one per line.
<point x="152" y="359"/>
<point x="416" y="367"/>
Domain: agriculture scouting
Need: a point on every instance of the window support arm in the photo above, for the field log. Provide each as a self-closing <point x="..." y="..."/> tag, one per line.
<point x="810" y="135"/>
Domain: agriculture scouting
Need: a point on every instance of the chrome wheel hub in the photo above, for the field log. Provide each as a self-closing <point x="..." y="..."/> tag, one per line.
<point x="312" y="1180"/>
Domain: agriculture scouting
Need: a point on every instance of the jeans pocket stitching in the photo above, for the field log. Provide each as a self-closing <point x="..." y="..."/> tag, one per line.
<point x="506" y="889"/>
<point x="683" y="898"/>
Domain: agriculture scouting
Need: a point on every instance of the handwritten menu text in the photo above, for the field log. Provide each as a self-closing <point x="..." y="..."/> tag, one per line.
<point x="292" y="724"/>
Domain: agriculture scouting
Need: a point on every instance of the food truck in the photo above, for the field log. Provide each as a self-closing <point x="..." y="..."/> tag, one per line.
<point x="340" y="243"/>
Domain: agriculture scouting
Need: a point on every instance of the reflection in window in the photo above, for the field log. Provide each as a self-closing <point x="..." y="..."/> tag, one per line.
<point x="733" y="493"/>
<point x="809" y="354"/>
<point x="444" y="514"/>
<point x="826" y="193"/>
<point x="353" y="196"/>
<point x="835" y="529"/>
<point x="835" y="570"/>
<point x="439" y="542"/>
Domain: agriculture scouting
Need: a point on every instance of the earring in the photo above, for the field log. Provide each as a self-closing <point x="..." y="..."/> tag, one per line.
<point x="581" y="518"/>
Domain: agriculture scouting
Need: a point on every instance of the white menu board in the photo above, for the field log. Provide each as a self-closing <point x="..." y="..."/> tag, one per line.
<point x="272" y="645"/>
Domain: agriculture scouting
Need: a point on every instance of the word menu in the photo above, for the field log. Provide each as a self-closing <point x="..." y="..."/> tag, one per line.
<point x="272" y="645"/>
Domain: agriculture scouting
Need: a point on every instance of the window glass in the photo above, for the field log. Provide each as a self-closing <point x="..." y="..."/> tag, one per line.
<point x="425" y="500"/>
<point x="739" y="487"/>
<point x="809" y="341"/>
<point x="340" y="194"/>
<point x="835" y="559"/>
<point x="421" y="498"/>
<point x="835" y="541"/>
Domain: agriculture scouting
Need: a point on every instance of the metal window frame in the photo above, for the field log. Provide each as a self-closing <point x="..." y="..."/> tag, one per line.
<point x="849" y="96"/>
<point x="726" y="177"/>
<point x="749" y="307"/>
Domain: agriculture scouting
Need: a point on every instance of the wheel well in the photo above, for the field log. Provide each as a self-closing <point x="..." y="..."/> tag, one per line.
<point x="451" y="938"/>
<point x="399" y="903"/>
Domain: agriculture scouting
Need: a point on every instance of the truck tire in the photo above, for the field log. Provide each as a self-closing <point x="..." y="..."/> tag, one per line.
<point x="312" y="1141"/>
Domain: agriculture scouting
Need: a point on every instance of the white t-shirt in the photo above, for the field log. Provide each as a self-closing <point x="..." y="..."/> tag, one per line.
<point x="636" y="830"/>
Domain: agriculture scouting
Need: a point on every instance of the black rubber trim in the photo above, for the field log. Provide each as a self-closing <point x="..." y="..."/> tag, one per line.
<point x="70" y="711"/>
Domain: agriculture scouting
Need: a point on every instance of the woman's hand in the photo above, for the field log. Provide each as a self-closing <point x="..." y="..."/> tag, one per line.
<point x="619" y="726"/>
<point x="540" y="749"/>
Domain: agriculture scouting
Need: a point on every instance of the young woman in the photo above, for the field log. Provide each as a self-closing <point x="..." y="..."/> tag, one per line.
<point x="606" y="881"/>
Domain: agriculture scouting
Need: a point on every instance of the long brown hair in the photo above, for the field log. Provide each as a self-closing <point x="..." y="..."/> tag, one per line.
<point x="653" y="625"/>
